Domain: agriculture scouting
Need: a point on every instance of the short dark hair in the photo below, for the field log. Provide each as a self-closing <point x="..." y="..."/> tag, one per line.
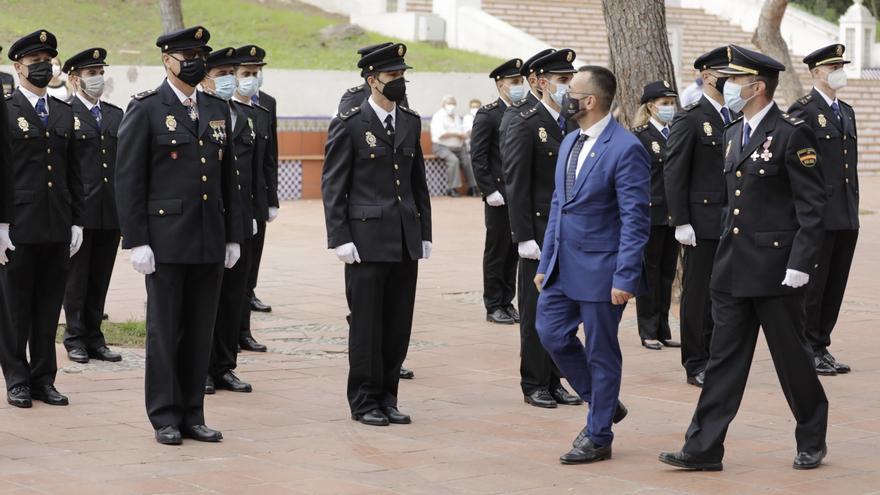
<point x="604" y="83"/>
<point x="771" y="83"/>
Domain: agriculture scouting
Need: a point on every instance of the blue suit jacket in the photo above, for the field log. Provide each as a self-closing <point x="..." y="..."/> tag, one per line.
<point x="595" y="241"/>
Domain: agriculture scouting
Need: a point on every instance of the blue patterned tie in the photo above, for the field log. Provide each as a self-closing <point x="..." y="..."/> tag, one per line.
<point x="836" y="107"/>
<point x="40" y="107"/>
<point x="561" y="121"/>
<point x="255" y="99"/>
<point x="725" y="114"/>
<point x="746" y="132"/>
<point x="665" y="132"/>
<point x="571" y="170"/>
<point x="96" y="113"/>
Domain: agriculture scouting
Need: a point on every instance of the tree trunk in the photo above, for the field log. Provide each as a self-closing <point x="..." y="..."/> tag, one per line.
<point x="639" y="50"/>
<point x="172" y="15"/>
<point x="768" y="39"/>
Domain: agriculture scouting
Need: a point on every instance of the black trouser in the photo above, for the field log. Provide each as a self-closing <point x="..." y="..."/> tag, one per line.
<point x="256" y="255"/>
<point x="536" y="368"/>
<point x="826" y="288"/>
<point x="499" y="260"/>
<point x="230" y="311"/>
<point x="733" y="345"/>
<point x="181" y="307"/>
<point x="696" y="308"/>
<point x="32" y="289"/>
<point x="652" y="308"/>
<point x="381" y="298"/>
<point x="86" y="292"/>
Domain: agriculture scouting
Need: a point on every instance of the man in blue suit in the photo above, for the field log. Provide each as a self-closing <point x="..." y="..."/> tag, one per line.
<point x="591" y="264"/>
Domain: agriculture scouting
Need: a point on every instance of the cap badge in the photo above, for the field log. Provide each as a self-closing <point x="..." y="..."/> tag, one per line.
<point x="665" y="83"/>
<point x="96" y="54"/>
<point x="518" y="64"/>
<point x="43" y="36"/>
<point x="23" y="124"/>
<point x="253" y="51"/>
<point x="370" y="138"/>
<point x="199" y="33"/>
<point x="707" y="128"/>
<point x="569" y="57"/>
<point x="229" y="52"/>
<point x="655" y="147"/>
<point x="822" y="120"/>
<point x="839" y="50"/>
<point x="542" y="134"/>
<point x="171" y="123"/>
<point x="400" y="51"/>
<point x="729" y="54"/>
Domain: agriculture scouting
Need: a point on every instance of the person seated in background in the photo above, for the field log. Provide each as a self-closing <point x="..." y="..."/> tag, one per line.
<point x="448" y="142"/>
<point x="468" y="120"/>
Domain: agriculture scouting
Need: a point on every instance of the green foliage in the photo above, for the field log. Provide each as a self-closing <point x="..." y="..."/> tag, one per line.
<point x="288" y="32"/>
<point x="831" y="10"/>
<point x="126" y="334"/>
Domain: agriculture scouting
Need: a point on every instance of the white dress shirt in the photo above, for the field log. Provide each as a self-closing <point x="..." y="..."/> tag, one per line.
<point x="32" y="98"/>
<point x="182" y="97"/>
<point x="827" y="98"/>
<point x="756" y="119"/>
<point x="659" y="126"/>
<point x="718" y="107"/>
<point x="89" y="105"/>
<point x="593" y="134"/>
<point x="443" y="123"/>
<point x="383" y="114"/>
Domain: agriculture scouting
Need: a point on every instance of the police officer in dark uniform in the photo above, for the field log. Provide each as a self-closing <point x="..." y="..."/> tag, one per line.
<point x="6" y="192"/>
<point x="221" y="81"/>
<point x="772" y="228"/>
<point x="179" y="211"/>
<point x="46" y="228"/>
<point x="661" y="252"/>
<point x="531" y="145"/>
<point x="95" y="129"/>
<point x="267" y="209"/>
<point x="834" y="123"/>
<point x="694" y="188"/>
<point x="522" y="97"/>
<point x="499" y="254"/>
<point x="378" y="214"/>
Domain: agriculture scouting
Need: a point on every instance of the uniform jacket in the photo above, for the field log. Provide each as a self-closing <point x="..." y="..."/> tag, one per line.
<point x="655" y="144"/>
<point x="270" y="162"/>
<point x="514" y="109"/>
<point x="244" y="146"/>
<point x="6" y="173"/>
<point x="486" y="149"/>
<point x="373" y="185"/>
<point x="175" y="178"/>
<point x="96" y="148"/>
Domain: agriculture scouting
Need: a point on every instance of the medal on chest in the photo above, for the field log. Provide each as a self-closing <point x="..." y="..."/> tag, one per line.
<point x="765" y="155"/>
<point x="76" y="123"/>
<point x="171" y="123"/>
<point x="822" y="120"/>
<point x="370" y="138"/>
<point x="218" y="130"/>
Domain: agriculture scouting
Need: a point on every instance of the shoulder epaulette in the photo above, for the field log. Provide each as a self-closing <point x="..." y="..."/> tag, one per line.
<point x="9" y="96"/>
<point x="490" y="106"/>
<point x="350" y="113"/>
<point x="805" y="99"/>
<point x="356" y="89"/>
<point x="144" y="94"/>
<point x="59" y="100"/>
<point x="640" y="128"/>
<point x="692" y="106"/>
<point x="530" y="112"/>
<point x="107" y="103"/>
<point x="519" y="103"/>
<point x="792" y="120"/>
<point x="843" y="103"/>
<point x="409" y="111"/>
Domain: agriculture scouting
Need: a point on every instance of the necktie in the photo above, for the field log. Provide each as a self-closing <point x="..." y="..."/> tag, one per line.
<point x="40" y="107"/>
<point x="725" y="114"/>
<point x="389" y="127"/>
<point x="746" y="132"/>
<point x="836" y="107"/>
<point x="256" y="99"/>
<point x="561" y="121"/>
<point x="571" y="170"/>
<point x="191" y="109"/>
<point x="96" y="113"/>
<point x="665" y="132"/>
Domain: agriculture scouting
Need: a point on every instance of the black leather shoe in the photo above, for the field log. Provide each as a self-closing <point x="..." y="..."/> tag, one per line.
<point x="452" y="193"/>
<point x="50" y="395"/>
<point x="540" y="398"/>
<point x="250" y="344"/>
<point x="585" y="453"/>
<point x="839" y="367"/>
<point x="653" y="345"/>
<point x="78" y="355"/>
<point x="228" y="381"/>
<point x="210" y="389"/>
<point x="809" y="460"/>
<point x="686" y="461"/>
<point x="670" y="343"/>
<point x="619" y="414"/>
<point x="372" y="418"/>
<point x="19" y="396"/>
<point x="499" y="316"/>
<point x="697" y="379"/>
<point x="562" y="396"/>
<point x="168" y="435"/>
<point x="260" y="306"/>
<point x="406" y="373"/>
<point x="823" y="367"/>
<point x="201" y="433"/>
<point x="396" y="417"/>
<point x="513" y="313"/>
<point x="104" y="353"/>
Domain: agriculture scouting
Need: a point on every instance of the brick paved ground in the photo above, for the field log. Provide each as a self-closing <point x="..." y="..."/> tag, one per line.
<point x="471" y="431"/>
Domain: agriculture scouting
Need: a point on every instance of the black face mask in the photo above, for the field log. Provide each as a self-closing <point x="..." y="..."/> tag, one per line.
<point x="40" y="73"/>
<point x="192" y="71"/>
<point x="395" y="90"/>
<point x="569" y="107"/>
<point x="719" y="84"/>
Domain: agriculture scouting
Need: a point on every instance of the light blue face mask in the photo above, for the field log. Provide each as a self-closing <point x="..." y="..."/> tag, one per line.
<point x="517" y="92"/>
<point x="561" y="89"/>
<point x="248" y="86"/>
<point x="260" y="78"/>
<point x="224" y="86"/>
<point x="733" y="96"/>
<point x="665" y="113"/>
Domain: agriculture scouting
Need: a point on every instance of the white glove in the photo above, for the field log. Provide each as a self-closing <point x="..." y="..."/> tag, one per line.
<point x="426" y="249"/>
<point x="685" y="234"/>
<point x="273" y="213"/>
<point x="142" y="259"/>
<point x="256" y="229"/>
<point x="495" y="199"/>
<point x="5" y="243"/>
<point x="76" y="239"/>
<point x="795" y="279"/>
<point x="233" y="253"/>
<point x="348" y="253"/>
<point x="529" y="250"/>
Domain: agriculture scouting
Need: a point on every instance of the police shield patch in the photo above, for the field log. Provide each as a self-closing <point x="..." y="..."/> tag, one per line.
<point x="807" y="156"/>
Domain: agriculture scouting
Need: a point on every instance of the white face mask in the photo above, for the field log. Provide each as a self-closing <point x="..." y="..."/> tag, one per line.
<point x="93" y="86"/>
<point x="836" y="79"/>
<point x="248" y="86"/>
<point x="56" y="70"/>
<point x="450" y="109"/>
